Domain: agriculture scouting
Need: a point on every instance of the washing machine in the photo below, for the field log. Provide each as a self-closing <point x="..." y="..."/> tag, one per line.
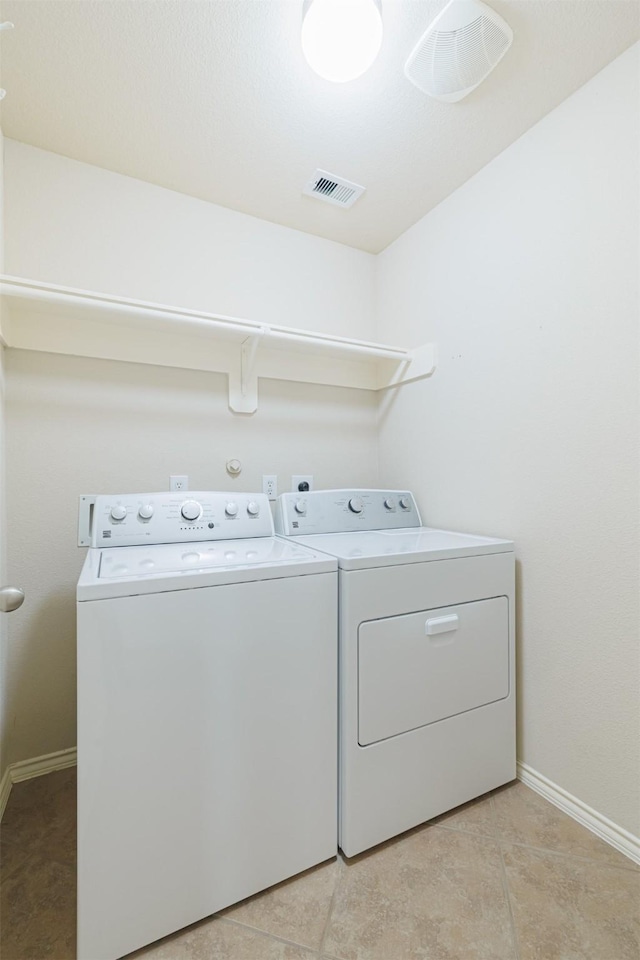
<point x="426" y="663"/>
<point x="207" y="712"/>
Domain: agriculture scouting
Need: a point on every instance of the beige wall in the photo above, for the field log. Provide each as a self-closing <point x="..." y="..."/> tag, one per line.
<point x="77" y="225"/>
<point x="87" y="426"/>
<point x="527" y="279"/>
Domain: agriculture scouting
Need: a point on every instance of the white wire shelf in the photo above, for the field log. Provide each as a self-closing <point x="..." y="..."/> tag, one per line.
<point x="51" y="318"/>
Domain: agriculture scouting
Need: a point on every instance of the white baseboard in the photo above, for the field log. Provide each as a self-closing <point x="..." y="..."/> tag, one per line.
<point x="604" y="828"/>
<point x="5" y="790"/>
<point x="35" y="767"/>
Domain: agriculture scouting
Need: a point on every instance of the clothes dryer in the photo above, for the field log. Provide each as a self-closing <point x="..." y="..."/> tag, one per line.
<point x="427" y="658"/>
<point x="207" y="713"/>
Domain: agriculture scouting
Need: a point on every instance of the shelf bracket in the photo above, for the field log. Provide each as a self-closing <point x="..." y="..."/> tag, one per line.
<point x="243" y="389"/>
<point x="421" y="363"/>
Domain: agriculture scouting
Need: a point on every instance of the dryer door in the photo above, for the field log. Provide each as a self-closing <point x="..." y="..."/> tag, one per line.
<point x="422" y="667"/>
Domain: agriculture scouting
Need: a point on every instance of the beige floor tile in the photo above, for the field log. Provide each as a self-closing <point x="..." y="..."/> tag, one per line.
<point x="61" y="845"/>
<point x="38" y="911"/>
<point x="569" y="909"/>
<point x="432" y="895"/>
<point x="11" y="856"/>
<point x="221" y="940"/>
<point x="296" y="909"/>
<point x="523" y="816"/>
<point x="477" y="816"/>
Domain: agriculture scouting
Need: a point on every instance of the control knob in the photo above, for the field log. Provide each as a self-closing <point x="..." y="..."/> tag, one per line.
<point x="231" y="509"/>
<point x="253" y="508"/>
<point x="145" y="512"/>
<point x="389" y="504"/>
<point x="191" y="510"/>
<point x="356" y="505"/>
<point x="405" y="503"/>
<point x="118" y="512"/>
<point x="301" y="506"/>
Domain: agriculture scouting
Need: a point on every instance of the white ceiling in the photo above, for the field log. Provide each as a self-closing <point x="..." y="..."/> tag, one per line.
<point x="213" y="98"/>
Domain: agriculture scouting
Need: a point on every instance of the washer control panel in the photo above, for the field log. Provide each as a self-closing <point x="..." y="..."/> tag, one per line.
<point x="138" y="518"/>
<point x="343" y="511"/>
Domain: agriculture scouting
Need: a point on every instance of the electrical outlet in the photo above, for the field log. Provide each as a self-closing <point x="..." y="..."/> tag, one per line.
<point x="178" y="483"/>
<point x="270" y="485"/>
<point x="298" y="483"/>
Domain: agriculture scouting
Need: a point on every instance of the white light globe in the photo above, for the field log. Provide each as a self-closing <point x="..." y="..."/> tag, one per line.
<point x="341" y="38"/>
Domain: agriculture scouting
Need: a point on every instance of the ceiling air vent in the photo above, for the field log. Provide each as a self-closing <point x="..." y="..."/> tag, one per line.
<point x="460" y="48"/>
<point x="336" y="190"/>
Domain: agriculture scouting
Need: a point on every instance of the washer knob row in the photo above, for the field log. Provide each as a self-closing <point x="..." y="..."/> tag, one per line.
<point x="190" y="510"/>
<point x="119" y="512"/>
<point x="231" y="509"/>
<point x="404" y="503"/>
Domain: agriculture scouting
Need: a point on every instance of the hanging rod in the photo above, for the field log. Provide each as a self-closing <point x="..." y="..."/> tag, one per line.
<point x="358" y="346"/>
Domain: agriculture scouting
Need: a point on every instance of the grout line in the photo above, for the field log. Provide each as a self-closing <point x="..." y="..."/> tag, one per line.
<point x="505" y="884"/>
<point x="632" y="868"/>
<point x="467" y="833"/>
<point x="505" y="839"/>
<point x="341" y="869"/>
<point x="270" y="936"/>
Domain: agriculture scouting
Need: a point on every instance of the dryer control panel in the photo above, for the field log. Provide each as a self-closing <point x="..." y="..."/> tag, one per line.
<point x="343" y="511"/>
<point x="130" y="519"/>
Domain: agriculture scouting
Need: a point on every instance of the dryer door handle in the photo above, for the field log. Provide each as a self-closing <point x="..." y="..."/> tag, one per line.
<point x="441" y="625"/>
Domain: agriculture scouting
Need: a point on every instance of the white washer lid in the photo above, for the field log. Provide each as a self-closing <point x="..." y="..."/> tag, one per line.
<point x="127" y="571"/>
<point x="380" y="548"/>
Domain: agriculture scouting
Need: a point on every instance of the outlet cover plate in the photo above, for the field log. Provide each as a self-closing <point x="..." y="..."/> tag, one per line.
<point x="179" y="483"/>
<point x="270" y="485"/>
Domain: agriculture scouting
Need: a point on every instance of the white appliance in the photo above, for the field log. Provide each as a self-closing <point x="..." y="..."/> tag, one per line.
<point x="427" y="665"/>
<point x="207" y="713"/>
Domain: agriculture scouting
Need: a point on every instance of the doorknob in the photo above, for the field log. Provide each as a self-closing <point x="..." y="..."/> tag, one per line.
<point x="10" y="599"/>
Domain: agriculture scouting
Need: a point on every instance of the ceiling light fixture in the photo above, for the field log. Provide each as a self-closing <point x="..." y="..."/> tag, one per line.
<point x="341" y="38"/>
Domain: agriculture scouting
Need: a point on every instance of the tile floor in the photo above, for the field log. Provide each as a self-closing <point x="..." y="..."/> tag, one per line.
<point x="507" y="877"/>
